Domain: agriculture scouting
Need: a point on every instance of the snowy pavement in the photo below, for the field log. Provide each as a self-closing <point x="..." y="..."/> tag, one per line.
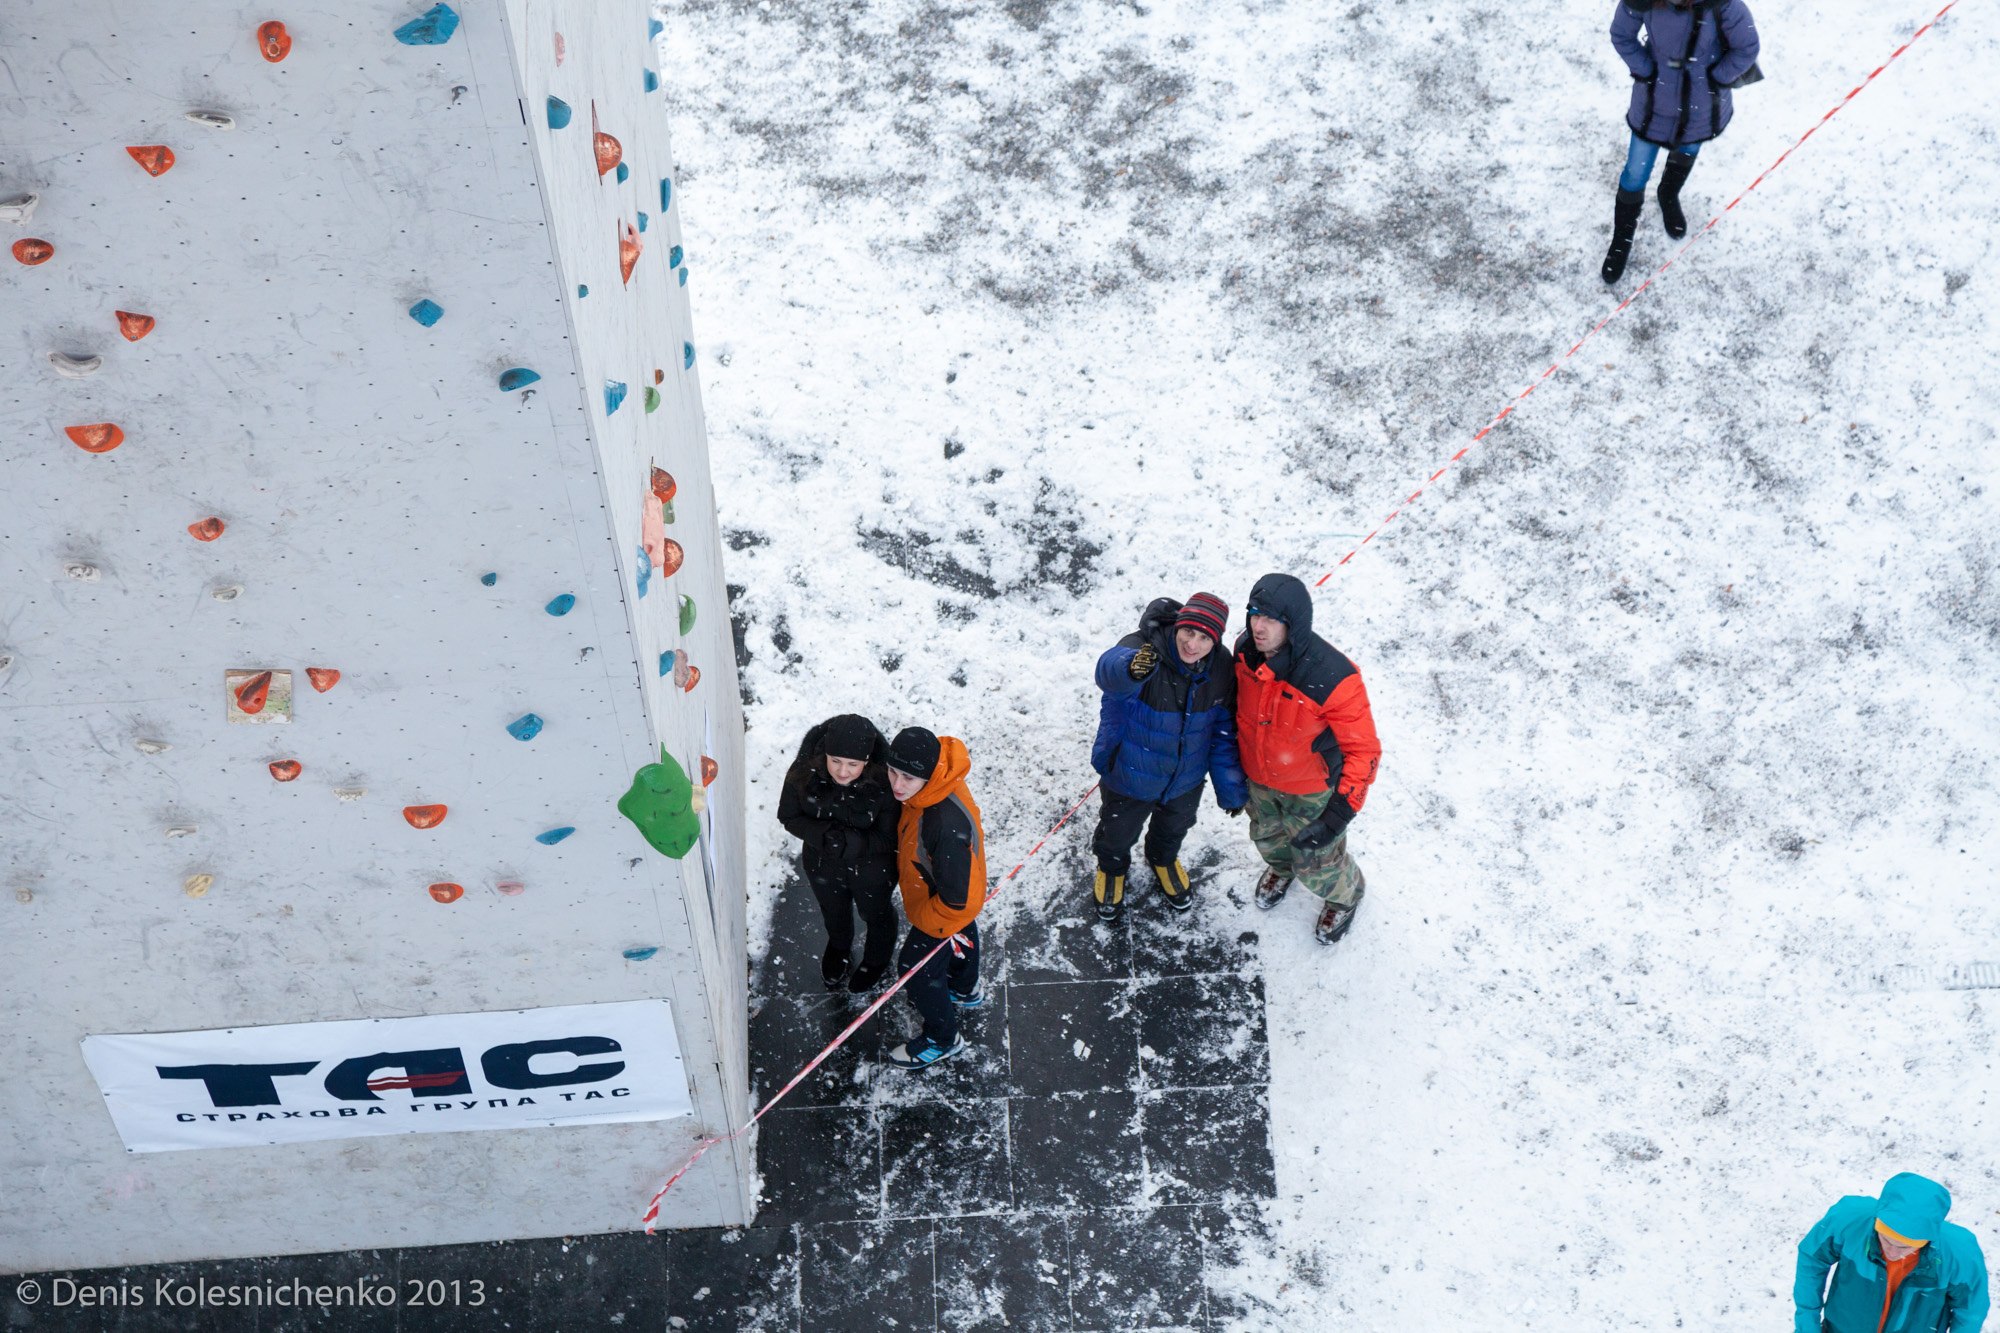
<point x="1013" y="316"/>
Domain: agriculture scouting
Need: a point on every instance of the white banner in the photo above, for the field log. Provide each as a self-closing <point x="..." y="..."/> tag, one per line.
<point x="587" y="1064"/>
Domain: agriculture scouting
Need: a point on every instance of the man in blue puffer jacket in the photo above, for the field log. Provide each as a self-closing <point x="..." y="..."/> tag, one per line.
<point x="1167" y="723"/>
<point x="1898" y="1266"/>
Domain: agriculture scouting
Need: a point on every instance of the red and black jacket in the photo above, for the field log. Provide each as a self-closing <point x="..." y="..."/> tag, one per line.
<point x="1302" y="718"/>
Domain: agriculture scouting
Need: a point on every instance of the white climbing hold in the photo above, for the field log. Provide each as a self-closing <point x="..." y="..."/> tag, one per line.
<point x="7" y="661"/>
<point x="182" y="830"/>
<point x="214" y="120"/>
<point x="19" y="208"/>
<point x="227" y="592"/>
<point x="75" y="367"/>
<point x="83" y="573"/>
<point x="349" y="793"/>
<point x="197" y="885"/>
<point x="152" y="747"/>
<point x="24" y="895"/>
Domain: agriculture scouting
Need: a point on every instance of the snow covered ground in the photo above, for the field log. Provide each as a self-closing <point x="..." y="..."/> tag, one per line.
<point x="1014" y="315"/>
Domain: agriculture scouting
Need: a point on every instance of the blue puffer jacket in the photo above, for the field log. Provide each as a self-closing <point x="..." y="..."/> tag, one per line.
<point x="1158" y="738"/>
<point x="1944" y="1293"/>
<point x="1681" y="73"/>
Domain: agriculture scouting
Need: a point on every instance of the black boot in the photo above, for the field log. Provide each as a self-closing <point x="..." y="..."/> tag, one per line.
<point x="1671" y="180"/>
<point x="868" y="975"/>
<point x="1335" y="919"/>
<point x="833" y="967"/>
<point x="1624" y="223"/>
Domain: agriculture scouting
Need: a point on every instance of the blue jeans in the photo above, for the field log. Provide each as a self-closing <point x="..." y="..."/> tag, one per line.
<point x="1639" y="159"/>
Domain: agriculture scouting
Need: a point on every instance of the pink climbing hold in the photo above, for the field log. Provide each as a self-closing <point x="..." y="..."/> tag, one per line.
<point x="629" y="246"/>
<point x="156" y="158"/>
<point x="207" y="530"/>
<point x="322" y="678"/>
<point x="134" y="327"/>
<point x="273" y="42"/>
<point x="99" y="437"/>
<point x="559" y="50"/>
<point x="653" y="532"/>
<point x="33" y="251"/>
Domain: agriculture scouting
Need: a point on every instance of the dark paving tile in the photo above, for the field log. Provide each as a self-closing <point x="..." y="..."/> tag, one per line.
<point x="1064" y="941"/>
<point x="1073" y="1036"/>
<point x="1208" y="1144"/>
<point x="979" y="1071"/>
<point x="731" y="1281"/>
<point x="1075" y="1150"/>
<point x="790" y="965"/>
<point x="786" y="1031"/>
<point x="1234" y="1238"/>
<point x="1009" y="1271"/>
<point x="945" y="1158"/>
<point x="590" y="1283"/>
<point x="501" y="1274"/>
<point x="1166" y="943"/>
<point x="820" y="1164"/>
<point x="1202" y="1032"/>
<point x="866" y="1277"/>
<point x="1137" y="1269"/>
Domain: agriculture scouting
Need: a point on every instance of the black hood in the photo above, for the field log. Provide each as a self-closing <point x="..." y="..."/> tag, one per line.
<point x="1284" y="598"/>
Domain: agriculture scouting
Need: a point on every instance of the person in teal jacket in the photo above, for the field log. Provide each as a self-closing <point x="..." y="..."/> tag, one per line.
<point x="1898" y="1266"/>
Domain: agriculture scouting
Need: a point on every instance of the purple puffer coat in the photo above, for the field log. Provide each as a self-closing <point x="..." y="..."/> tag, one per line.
<point x="1682" y="71"/>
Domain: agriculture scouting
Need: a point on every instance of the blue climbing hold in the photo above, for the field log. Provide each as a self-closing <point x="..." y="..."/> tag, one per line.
<point x="687" y="356"/>
<point x="667" y="662"/>
<point x="641" y="955"/>
<point x="559" y="114"/>
<point x="642" y="222"/>
<point x="666" y="194"/>
<point x="427" y="312"/>
<point x="433" y="27"/>
<point x="582" y="290"/>
<point x="645" y="571"/>
<point x="554" y="835"/>
<point x="624" y="173"/>
<point x="684" y="277"/>
<point x="560" y="606"/>
<point x="674" y="257"/>
<point x="614" y="396"/>
<point x="489" y="579"/>
<point x="520" y="377"/>
<point x="525" y="727"/>
<point x="652" y="82"/>
<point x="654" y="27"/>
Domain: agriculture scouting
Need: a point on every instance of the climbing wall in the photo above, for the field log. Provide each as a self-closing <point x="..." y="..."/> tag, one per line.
<point x="363" y="645"/>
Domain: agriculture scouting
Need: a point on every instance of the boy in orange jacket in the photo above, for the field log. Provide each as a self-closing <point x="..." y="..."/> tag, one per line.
<point x="941" y="868"/>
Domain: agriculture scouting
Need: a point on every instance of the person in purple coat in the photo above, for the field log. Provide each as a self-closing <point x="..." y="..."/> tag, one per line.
<point x="1693" y="52"/>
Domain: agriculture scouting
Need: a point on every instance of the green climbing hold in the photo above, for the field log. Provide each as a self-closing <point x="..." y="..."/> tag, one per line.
<point x="652" y="399"/>
<point x="687" y="614"/>
<point x="661" y="803"/>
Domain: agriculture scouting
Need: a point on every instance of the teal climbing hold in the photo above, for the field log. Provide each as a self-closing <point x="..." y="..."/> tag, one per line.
<point x="645" y="571"/>
<point x="684" y="277"/>
<point x="687" y="356"/>
<point x="560" y="605"/>
<point x="489" y="579"/>
<point x="674" y="257"/>
<point x="654" y="27"/>
<point x="687" y="614"/>
<point x="525" y="727"/>
<point x="520" y="377"/>
<point x="554" y="836"/>
<point x="660" y="802"/>
<point x="559" y="114"/>
<point x="667" y="662"/>
<point x="427" y="312"/>
<point x="433" y="27"/>
<point x="582" y="290"/>
<point x="642" y="222"/>
<point x="614" y="396"/>
<point x="641" y="955"/>
<point x="652" y="82"/>
<point x="624" y="173"/>
<point x="666" y="194"/>
<point x="652" y="398"/>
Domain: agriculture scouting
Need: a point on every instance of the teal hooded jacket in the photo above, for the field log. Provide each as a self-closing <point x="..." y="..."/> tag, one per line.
<point x="1944" y="1293"/>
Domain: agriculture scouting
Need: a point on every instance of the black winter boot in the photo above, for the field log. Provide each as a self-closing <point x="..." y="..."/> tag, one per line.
<point x="1624" y="222"/>
<point x="1334" y="919"/>
<point x="833" y="967"/>
<point x="1671" y="180"/>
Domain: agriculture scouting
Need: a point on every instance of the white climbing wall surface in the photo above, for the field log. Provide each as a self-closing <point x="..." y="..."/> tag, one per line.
<point x="358" y="551"/>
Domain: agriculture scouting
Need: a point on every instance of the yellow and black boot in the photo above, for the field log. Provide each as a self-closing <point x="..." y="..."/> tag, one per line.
<point x="1174" y="883"/>
<point x="1109" y="890"/>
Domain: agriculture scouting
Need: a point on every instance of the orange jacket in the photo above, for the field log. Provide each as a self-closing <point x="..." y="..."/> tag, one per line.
<point x="941" y="849"/>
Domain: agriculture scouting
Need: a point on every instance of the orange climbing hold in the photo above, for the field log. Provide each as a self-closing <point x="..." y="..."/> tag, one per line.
<point x="663" y="486"/>
<point x="273" y="42"/>
<point x="134" y="327"/>
<point x="659" y="377"/>
<point x="628" y="251"/>
<point x="156" y="158"/>
<point x="284" y="770"/>
<point x="447" y="893"/>
<point x="207" y="530"/>
<point x="322" y="678"/>
<point x="709" y="771"/>
<point x="252" y="693"/>
<point x="692" y="679"/>
<point x="32" y="252"/>
<point x="609" y="152"/>
<point x="425" y="816"/>
<point x="673" y="558"/>
<point x="99" y="437"/>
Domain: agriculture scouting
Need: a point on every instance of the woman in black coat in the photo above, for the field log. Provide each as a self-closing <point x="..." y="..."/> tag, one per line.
<point x="836" y="801"/>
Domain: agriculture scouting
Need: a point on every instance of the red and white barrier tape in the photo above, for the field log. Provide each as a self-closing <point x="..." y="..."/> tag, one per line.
<point x="956" y="941"/>
<point x="1566" y="357"/>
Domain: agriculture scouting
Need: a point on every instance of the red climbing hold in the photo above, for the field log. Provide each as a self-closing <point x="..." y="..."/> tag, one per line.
<point x="207" y="530"/>
<point x="284" y="770"/>
<point x="252" y="693"/>
<point x="156" y="158"/>
<point x="32" y="252"/>
<point x="134" y="327"/>
<point x="663" y="486"/>
<point x="659" y="377"/>
<point x="628" y="251"/>
<point x="425" y="816"/>
<point x="447" y="893"/>
<point x="673" y="558"/>
<point x="97" y="438"/>
<point x="322" y="678"/>
<point x="693" y="679"/>
<point x="273" y="42"/>
<point x="609" y="152"/>
<point x="709" y="771"/>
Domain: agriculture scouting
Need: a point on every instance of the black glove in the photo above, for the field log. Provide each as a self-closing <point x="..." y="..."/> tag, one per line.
<point x="1143" y="662"/>
<point x="1333" y="822"/>
<point x="834" y="845"/>
<point x="1233" y="811"/>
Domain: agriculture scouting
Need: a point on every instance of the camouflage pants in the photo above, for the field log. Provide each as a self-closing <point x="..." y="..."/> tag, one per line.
<point x="1276" y="818"/>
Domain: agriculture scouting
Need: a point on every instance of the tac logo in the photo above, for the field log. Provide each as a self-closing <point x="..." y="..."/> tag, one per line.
<point x="438" y="1072"/>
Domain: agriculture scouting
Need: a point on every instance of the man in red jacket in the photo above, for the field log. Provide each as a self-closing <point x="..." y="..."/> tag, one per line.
<point x="1309" y="750"/>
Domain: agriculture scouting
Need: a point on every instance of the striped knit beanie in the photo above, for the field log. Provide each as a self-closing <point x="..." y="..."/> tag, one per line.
<point x="1205" y="612"/>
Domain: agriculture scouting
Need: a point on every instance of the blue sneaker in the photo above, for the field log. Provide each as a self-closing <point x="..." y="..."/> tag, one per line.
<point x="923" y="1053"/>
<point x="976" y="1000"/>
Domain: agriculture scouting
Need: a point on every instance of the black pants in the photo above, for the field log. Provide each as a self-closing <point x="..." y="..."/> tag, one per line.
<point x="857" y="890"/>
<point x="1120" y="819"/>
<point x="931" y="989"/>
